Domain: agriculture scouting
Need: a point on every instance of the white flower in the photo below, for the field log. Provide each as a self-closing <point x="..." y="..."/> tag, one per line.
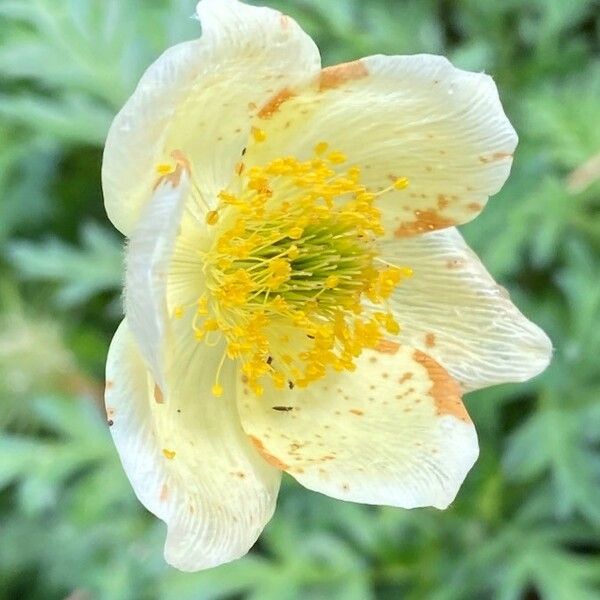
<point x="296" y="295"/>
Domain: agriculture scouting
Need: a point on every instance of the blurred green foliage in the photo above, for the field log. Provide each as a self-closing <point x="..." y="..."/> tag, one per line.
<point x="526" y="523"/>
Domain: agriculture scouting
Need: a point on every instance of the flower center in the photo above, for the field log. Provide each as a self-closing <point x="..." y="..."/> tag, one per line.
<point x="294" y="282"/>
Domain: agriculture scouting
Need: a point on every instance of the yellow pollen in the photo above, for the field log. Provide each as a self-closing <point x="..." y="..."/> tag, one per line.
<point x="212" y="216"/>
<point x="332" y="281"/>
<point x="401" y="183"/>
<point x="178" y="312"/>
<point x="217" y="390"/>
<point x="259" y="135"/>
<point x="169" y="454"/>
<point x="321" y="148"/>
<point x="337" y="158"/>
<point x="165" y="169"/>
<point x="295" y="233"/>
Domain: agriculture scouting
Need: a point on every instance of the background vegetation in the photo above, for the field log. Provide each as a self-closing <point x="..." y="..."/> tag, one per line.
<point x="527" y="522"/>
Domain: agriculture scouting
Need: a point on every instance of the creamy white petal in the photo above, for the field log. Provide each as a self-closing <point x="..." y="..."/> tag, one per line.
<point x="452" y="309"/>
<point x="394" y="432"/>
<point x="403" y="116"/>
<point x="188" y="460"/>
<point x="147" y="260"/>
<point x="198" y="98"/>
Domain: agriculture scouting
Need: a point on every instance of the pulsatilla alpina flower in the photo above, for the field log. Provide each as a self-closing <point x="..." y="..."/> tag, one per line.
<point x="297" y="297"/>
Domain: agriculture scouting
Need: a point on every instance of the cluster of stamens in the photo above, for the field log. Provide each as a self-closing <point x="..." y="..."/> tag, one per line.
<point x="292" y="270"/>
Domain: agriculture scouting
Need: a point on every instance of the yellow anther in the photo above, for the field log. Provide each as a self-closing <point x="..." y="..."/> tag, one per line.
<point x="401" y="183"/>
<point x="321" y="148"/>
<point x="217" y="390"/>
<point x="259" y="135"/>
<point x="337" y="158"/>
<point x="332" y="281"/>
<point x="295" y="233"/>
<point x="202" y="307"/>
<point x="211" y="325"/>
<point x="165" y="168"/>
<point x="279" y="272"/>
<point x="212" y="216"/>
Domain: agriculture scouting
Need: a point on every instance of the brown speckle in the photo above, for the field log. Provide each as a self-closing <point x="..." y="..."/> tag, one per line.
<point x="164" y="492"/>
<point x="474" y="206"/>
<point x="454" y="263"/>
<point x="110" y="422"/>
<point x="430" y="340"/>
<point x="405" y="377"/>
<point x="282" y="408"/>
<point x="442" y="201"/>
<point x="158" y="395"/>
<point x="109" y="384"/>
<point x="357" y="412"/>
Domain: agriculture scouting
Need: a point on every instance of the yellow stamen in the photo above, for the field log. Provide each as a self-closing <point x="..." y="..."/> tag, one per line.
<point x="292" y="273"/>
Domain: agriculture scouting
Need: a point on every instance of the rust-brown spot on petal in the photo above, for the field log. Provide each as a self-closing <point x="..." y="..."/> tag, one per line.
<point x="357" y="412"/>
<point x="274" y="104"/>
<point x="425" y="220"/>
<point x="405" y="377"/>
<point x="158" y="395"/>
<point x="164" y="493"/>
<point x="445" y="391"/>
<point x="387" y="347"/>
<point x="109" y="384"/>
<point x="495" y="156"/>
<point x="474" y="206"/>
<point x="333" y="77"/>
<point x="430" y="340"/>
<point x="272" y="460"/>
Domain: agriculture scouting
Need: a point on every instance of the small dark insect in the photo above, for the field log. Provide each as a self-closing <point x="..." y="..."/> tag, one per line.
<point x="178" y="410"/>
<point x="269" y="360"/>
<point x="312" y="337"/>
<point x="243" y="151"/>
<point x="291" y="385"/>
<point x="283" y="408"/>
<point x="110" y="422"/>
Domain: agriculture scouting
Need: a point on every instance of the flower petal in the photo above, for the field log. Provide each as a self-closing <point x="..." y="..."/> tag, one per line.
<point x="452" y="309"/>
<point x="188" y="460"/>
<point x="198" y="98"/>
<point x="404" y="116"/>
<point x="147" y="260"/>
<point x="394" y="432"/>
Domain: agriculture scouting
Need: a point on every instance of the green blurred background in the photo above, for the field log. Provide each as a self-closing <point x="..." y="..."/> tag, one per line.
<point x="527" y="521"/>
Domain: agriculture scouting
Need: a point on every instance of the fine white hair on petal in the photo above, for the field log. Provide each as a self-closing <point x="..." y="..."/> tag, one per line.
<point x="417" y="117"/>
<point x="394" y="432"/>
<point x="188" y="459"/>
<point x="453" y="309"/>
<point x="199" y="98"/>
<point x="147" y="259"/>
